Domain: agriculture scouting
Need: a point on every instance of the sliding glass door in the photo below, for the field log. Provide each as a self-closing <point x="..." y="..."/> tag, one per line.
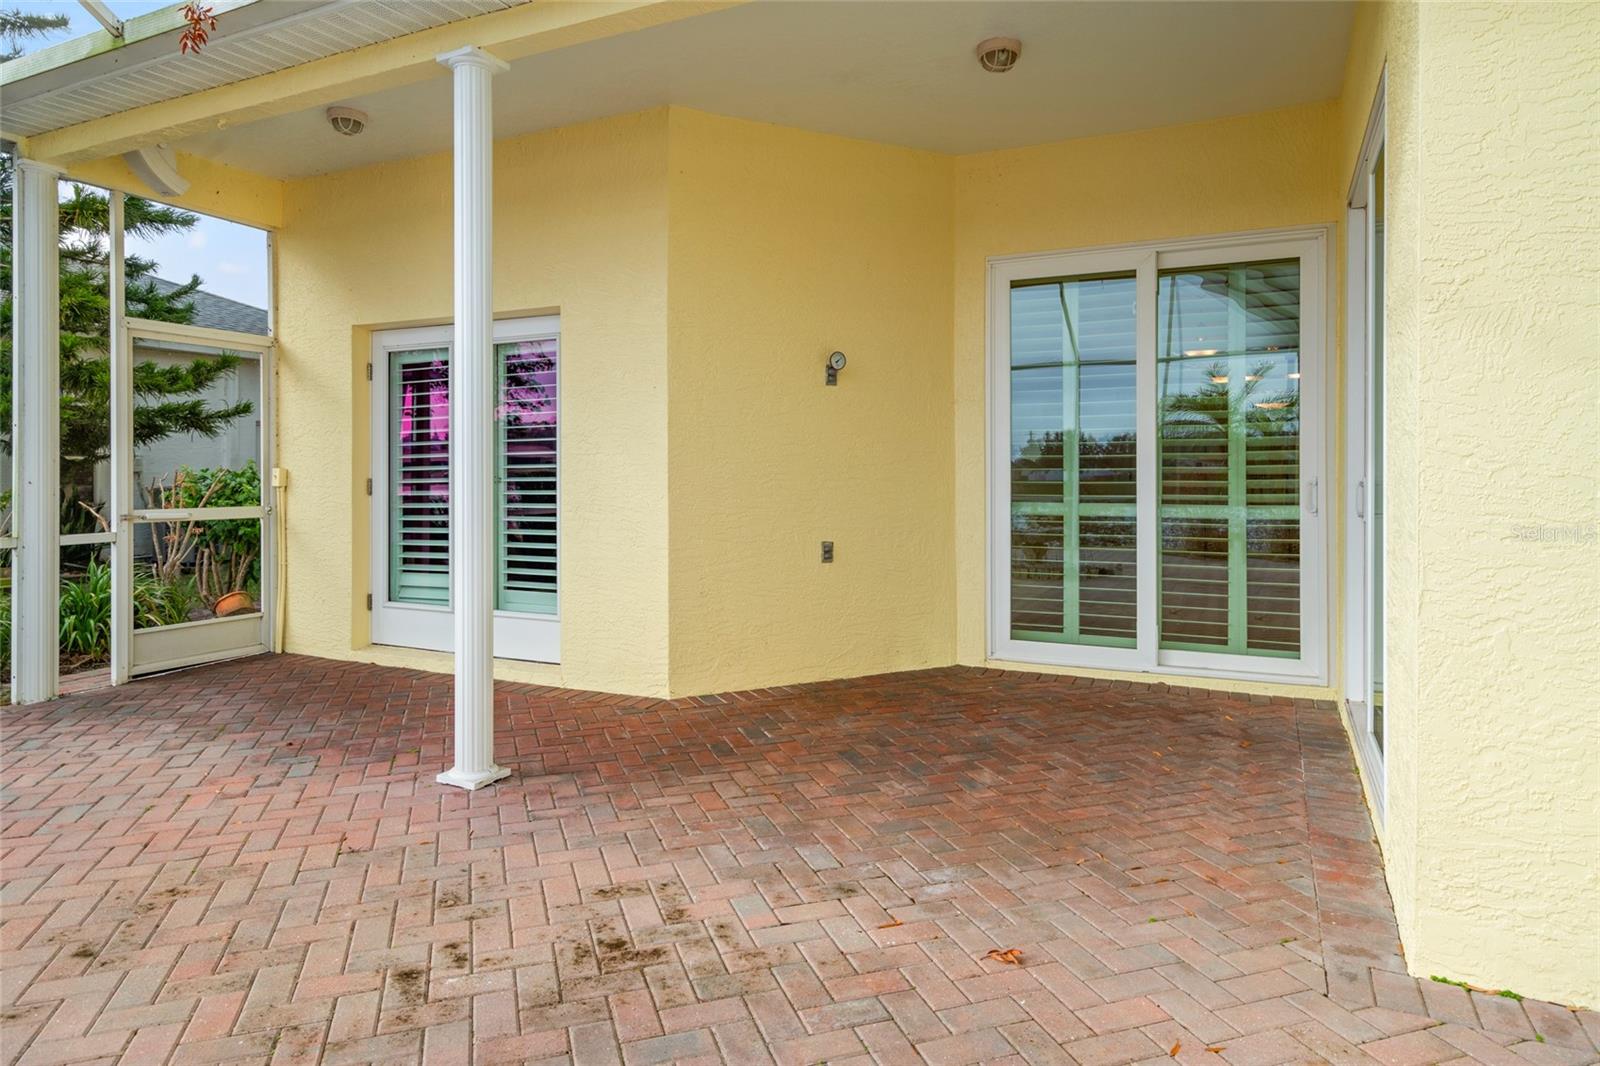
<point x="1364" y="515"/>
<point x="1157" y="460"/>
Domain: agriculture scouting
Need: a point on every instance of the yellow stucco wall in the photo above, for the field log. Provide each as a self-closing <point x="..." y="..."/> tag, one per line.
<point x="1263" y="171"/>
<point x="580" y="228"/>
<point x="786" y="245"/>
<point x="214" y="188"/>
<point x="1493" y="835"/>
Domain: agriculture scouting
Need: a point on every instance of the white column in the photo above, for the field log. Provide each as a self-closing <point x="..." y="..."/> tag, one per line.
<point x="36" y="434"/>
<point x="472" y="436"/>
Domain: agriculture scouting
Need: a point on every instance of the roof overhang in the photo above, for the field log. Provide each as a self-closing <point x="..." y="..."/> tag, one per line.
<point x="98" y="95"/>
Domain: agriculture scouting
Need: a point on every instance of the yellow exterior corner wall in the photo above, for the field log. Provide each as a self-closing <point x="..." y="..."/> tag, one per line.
<point x="785" y="246"/>
<point x="1492" y="842"/>
<point x="1263" y="171"/>
<point x="580" y="229"/>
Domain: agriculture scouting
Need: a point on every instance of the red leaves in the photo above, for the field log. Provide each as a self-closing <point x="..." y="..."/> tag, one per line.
<point x="1009" y="956"/>
<point x="201" y="25"/>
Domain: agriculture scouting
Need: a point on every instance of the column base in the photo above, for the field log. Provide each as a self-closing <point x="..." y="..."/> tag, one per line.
<point x="474" y="780"/>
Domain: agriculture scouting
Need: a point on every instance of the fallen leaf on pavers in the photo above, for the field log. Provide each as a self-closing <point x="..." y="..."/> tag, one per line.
<point x="1175" y="1049"/>
<point x="1244" y="743"/>
<point x="1010" y="956"/>
<point x="1217" y="1050"/>
<point x="892" y="925"/>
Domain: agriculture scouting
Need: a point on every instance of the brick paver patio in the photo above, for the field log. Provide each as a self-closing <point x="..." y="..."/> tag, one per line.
<point x="251" y="862"/>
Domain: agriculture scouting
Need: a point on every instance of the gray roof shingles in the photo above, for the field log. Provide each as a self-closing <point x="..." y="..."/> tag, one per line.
<point x="219" y="312"/>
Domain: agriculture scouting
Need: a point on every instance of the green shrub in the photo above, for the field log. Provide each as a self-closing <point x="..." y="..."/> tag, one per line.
<point x="161" y="603"/>
<point x="86" y="612"/>
<point x="225" y="554"/>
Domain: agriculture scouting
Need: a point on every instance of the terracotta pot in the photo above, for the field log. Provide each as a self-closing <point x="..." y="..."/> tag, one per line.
<point x="233" y="603"/>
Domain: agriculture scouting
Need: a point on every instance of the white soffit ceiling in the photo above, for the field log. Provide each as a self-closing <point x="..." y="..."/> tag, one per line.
<point x="251" y="39"/>
<point x="896" y="71"/>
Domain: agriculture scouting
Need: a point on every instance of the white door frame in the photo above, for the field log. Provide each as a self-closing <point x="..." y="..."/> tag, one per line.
<point x="1313" y="246"/>
<point x="145" y="651"/>
<point x="527" y="637"/>
<point x="1361" y="604"/>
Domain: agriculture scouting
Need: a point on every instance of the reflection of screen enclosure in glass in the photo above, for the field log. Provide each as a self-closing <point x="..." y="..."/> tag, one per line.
<point x="1072" y="440"/>
<point x="1228" y="344"/>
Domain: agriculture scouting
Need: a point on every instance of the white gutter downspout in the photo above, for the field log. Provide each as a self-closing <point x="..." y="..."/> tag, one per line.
<point x="36" y="434"/>
<point x="472" y="419"/>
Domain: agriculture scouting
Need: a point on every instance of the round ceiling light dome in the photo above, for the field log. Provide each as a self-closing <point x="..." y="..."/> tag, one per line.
<point x="999" y="54"/>
<point x="347" y="120"/>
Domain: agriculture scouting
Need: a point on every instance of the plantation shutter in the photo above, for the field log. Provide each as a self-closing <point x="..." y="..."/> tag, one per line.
<point x="525" y="477"/>
<point x="419" y="477"/>
<point x="526" y="420"/>
<point x="1229" y="424"/>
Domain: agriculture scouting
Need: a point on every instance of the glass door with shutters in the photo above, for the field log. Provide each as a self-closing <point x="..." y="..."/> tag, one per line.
<point x="411" y="489"/>
<point x="1156" y="458"/>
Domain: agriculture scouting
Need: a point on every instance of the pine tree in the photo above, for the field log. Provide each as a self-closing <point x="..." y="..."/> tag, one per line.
<point x="16" y="27"/>
<point x="167" y="399"/>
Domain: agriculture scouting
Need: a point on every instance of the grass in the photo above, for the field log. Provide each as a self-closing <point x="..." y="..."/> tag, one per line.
<point x="1504" y="993"/>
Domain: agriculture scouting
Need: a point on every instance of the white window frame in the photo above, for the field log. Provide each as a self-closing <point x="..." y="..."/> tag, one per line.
<point x="1312" y="245"/>
<point x="526" y="637"/>
<point x="1360" y="477"/>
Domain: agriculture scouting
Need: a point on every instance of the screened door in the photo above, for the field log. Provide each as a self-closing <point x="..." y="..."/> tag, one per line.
<point x="411" y="489"/>
<point x="1157" y="458"/>
<point x="195" y="568"/>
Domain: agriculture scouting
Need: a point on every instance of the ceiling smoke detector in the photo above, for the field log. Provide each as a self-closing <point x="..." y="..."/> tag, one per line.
<point x="999" y="54"/>
<point x="347" y="120"/>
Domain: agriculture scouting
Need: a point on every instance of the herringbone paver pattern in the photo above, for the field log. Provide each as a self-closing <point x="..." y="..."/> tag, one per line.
<point x="252" y="863"/>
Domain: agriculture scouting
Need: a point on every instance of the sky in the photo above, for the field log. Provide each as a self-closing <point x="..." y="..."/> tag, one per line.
<point x="82" y="21"/>
<point x="231" y="259"/>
